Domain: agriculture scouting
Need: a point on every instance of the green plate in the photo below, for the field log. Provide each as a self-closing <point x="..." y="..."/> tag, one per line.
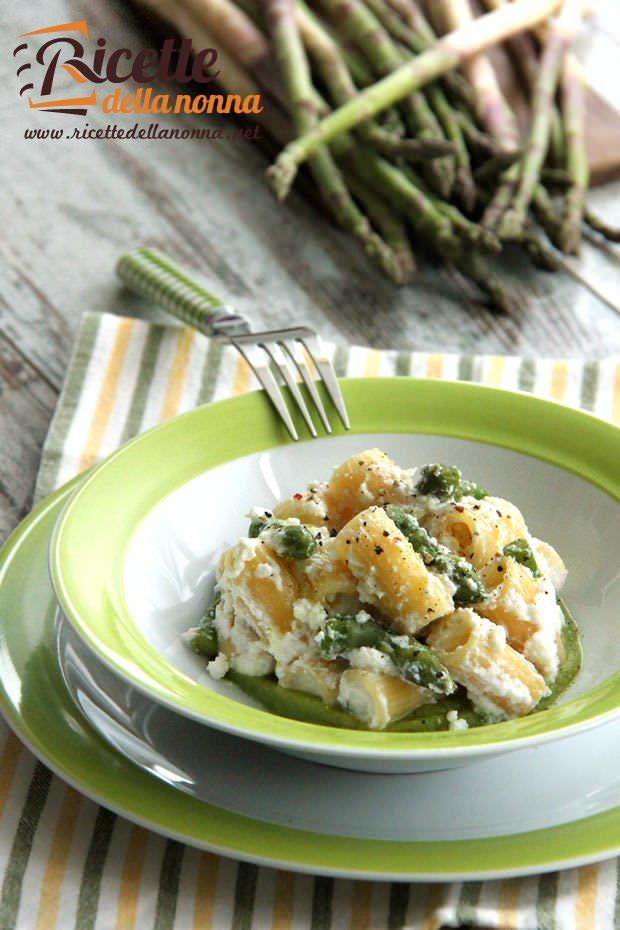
<point x="34" y="701"/>
<point x="88" y="564"/>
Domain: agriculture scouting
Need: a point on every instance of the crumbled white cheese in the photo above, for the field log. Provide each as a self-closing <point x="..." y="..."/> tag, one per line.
<point x="455" y="722"/>
<point x="362" y="616"/>
<point x="373" y="660"/>
<point x="218" y="667"/>
<point x="264" y="570"/>
<point x="257" y="513"/>
<point x="310" y="614"/>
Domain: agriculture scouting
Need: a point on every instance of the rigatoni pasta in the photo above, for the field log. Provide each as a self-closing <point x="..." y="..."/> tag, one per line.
<point x="392" y="595"/>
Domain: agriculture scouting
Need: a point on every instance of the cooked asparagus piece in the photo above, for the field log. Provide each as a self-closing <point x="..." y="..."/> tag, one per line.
<point x="521" y="551"/>
<point x="414" y="661"/>
<point x="293" y="540"/>
<point x="204" y="639"/>
<point x="447" y="483"/>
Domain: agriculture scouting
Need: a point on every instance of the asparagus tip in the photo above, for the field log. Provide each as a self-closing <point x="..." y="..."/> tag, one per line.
<point x="280" y="176"/>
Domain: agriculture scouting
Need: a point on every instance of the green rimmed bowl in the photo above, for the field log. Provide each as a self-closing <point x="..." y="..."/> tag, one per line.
<point x="133" y="552"/>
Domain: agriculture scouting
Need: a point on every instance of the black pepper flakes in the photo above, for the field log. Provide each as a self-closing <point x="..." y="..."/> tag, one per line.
<point x="379" y="550"/>
<point x="386" y="532"/>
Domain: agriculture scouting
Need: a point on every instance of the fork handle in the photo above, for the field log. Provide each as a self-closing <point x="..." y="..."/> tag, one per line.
<point x="154" y="275"/>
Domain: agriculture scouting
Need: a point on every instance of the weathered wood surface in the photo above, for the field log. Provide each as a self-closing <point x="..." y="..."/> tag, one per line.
<point x="69" y="208"/>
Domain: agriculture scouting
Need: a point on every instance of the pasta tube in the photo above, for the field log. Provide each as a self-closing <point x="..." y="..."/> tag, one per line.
<point x="390" y="574"/>
<point x="476" y="529"/>
<point x="512" y="592"/>
<point x="261" y="587"/>
<point x="378" y="699"/>
<point x="368" y="478"/>
<point x="313" y="676"/>
<point x="498" y="679"/>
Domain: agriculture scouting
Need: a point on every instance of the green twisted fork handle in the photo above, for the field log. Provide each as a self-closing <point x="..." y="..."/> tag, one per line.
<point x="157" y="277"/>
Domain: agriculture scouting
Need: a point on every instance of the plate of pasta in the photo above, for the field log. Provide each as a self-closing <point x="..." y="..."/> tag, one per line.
<point x="432" y="588"/>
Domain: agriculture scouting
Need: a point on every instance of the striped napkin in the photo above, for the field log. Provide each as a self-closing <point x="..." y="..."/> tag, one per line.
<point x="66" y="863"/>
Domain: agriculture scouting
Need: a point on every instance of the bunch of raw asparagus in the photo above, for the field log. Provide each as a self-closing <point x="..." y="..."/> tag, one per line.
<point x="397" y="111"/>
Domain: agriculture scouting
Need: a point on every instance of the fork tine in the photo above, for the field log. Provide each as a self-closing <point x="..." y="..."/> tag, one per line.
<point x="264" y="375"/>
<point x="324" y="367"/>
<point x="280" y="361"/>
<point x="308" y="380"/>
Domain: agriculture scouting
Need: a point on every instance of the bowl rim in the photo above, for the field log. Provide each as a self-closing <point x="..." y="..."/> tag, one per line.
<point x="87" y="572"/>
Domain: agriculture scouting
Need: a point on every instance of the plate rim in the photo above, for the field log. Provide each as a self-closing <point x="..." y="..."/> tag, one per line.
<point x="421" y="855"/>
<point x="223" y="712"/>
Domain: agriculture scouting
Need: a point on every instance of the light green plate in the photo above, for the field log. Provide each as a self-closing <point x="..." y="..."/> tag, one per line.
<point x="34" y="701"/>
<point x="501" y="437"/>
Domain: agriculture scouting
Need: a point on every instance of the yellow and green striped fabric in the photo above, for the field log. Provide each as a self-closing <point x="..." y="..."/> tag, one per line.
<point x="66" y="863"/>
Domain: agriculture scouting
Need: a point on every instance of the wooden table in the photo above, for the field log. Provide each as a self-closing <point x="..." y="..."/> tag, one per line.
<point x="70" y="208"/>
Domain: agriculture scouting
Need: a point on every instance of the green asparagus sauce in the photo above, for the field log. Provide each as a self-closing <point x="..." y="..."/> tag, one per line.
<point x="429" y="717"/>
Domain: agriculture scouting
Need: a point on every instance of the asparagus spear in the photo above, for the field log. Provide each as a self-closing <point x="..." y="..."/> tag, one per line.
<point x="425" y="37"/>
<point x="573" y="110"/>
<point x="524" y="56"/>
<point x="391" y="227"/>
<point x="494" y="113"/>
<point x="599" y="225"/>
<point x="204" y="638"/>
<point x="560" y="36"/>
<point x="471" y="232"/>
<point x="337" y="78"/>
<point x="294" y="65"/>
<point x="414" y="661"/>
<point x="448" y="53"/>
<point x="293" y="540"/>
<point x="361" y="26"/>
<point x="464" y="182"/>
<point x="521" y="551"/>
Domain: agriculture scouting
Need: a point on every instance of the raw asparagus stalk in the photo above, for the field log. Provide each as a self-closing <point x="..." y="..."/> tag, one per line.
<point x="601" y="226"/>
<point x="337" y="78"/>
<point x="541" y="256"/>
<point x="464" y="182"/>
<point x="573" y="110"/>
<point x="493" y="110"/>
<point x="448" y="53"/>
<point x="524" y="56"/>
<point x="502" y="198"/>
<point x="471" y="232"/>
<point x="361" y="26"/>
<point x="233" y="77"/>
<point x="560" y="36"/>
<point x="386" y="179"/>
<point x="294" y="66"/>
<point x="389" y="224"/>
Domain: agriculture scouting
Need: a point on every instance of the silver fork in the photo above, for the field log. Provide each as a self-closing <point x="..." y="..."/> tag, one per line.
<point x="159" y="278"/>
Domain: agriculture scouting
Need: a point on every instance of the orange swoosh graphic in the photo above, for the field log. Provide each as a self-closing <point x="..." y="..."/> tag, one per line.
<point x="78" y="25"/>
<point x="65" y="102"/>
<point x="75" y="74"/>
